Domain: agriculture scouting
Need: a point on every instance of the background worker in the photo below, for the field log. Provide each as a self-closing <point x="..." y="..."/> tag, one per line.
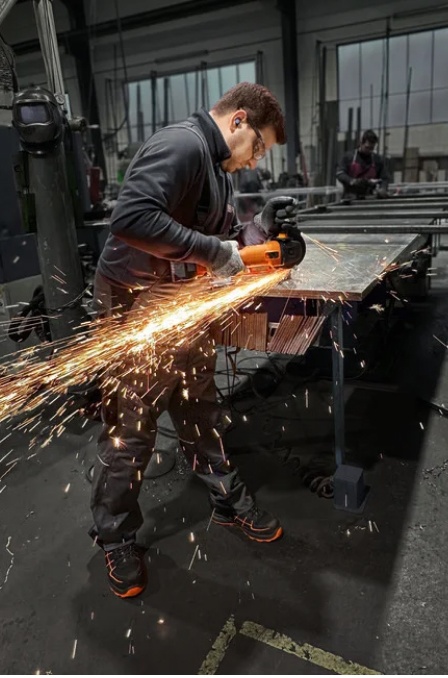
<point x="363" y="172"/>
<point x="176" y="210"/>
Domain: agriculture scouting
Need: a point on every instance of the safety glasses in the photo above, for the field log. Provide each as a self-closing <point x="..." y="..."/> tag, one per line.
<point x="259" y="146"/>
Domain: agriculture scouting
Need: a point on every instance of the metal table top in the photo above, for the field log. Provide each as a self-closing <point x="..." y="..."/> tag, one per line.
<point x="345" y="266"/>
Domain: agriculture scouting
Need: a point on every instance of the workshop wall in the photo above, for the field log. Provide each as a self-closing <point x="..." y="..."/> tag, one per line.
<point x="347" y="21"/>
<point x="226" y="36"/>
<point x="20" y="27"/>
<point x="221" y="37"/>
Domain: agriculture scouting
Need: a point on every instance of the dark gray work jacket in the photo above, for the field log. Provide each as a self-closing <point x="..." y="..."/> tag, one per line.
<point x="175" y="205"/>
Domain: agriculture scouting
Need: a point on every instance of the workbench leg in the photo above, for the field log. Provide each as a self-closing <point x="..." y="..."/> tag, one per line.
<point x="338" y="384"/>
<point x="350" y="491"/>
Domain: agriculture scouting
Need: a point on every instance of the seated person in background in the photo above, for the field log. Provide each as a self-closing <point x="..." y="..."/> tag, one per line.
<point x="363" y="172"/>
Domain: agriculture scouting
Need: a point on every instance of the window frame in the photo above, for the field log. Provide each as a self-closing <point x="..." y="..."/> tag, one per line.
<point x="342" y="128"/>
<point x="196" y="97"/>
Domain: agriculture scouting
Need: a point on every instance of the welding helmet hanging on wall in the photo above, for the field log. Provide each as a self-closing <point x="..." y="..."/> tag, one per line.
<point x="38" y="119"/>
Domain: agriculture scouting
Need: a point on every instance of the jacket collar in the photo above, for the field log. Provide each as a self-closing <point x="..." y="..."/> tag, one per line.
<point x="218" y="147"/>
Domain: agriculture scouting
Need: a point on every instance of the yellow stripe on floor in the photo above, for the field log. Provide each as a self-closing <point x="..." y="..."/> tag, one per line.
<point x="210" y="664"/>
<point x="327" y="660"/>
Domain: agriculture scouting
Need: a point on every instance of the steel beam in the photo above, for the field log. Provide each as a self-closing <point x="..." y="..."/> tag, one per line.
<point x="337" y="355"/>
<point x="291" y="79"/>
<point x="405" y="214"/>
<point x="56" y="243"/>
<point x="79" y="47"/>
<point x="385" y="206"/>
<point x="56" y="232"/>
<point x="43" y="10"/>
<point x="385" y="229"/>
<point x="152" y="17"/>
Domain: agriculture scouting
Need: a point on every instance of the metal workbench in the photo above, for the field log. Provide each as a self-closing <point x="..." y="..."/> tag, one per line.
<point x="347" y="274"/>
<point x="348" y="252"/>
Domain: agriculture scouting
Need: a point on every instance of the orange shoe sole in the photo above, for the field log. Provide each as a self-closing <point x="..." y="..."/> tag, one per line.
<point x="274" y="537"/>
<point x="135" y="591"/>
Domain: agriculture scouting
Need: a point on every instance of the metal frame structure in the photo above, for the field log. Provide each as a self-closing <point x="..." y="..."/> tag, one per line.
<point x="341" y="220"/>
<point x="362" y="231"/>
<point x="5" y="7"/>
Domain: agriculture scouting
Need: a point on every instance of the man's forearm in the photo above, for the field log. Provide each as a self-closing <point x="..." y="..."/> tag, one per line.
<point x="343" y="177"/>
<point x="162" y="236"/>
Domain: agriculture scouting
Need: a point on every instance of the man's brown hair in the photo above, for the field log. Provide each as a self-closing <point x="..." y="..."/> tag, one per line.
<point x="261" y="106"/>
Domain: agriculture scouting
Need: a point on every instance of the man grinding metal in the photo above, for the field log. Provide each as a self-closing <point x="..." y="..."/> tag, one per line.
<point x="175" y="211"/>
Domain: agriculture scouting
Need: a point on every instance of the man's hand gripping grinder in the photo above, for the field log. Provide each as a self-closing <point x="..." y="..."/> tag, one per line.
<point x="286" y="250"/>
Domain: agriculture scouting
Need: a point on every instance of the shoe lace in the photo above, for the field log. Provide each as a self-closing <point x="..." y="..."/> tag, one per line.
<point x="251" y="516"/>
<point x="123" y="553"/>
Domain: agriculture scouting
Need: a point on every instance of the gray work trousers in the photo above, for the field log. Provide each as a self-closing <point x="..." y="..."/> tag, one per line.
<point x="126" y="443"/>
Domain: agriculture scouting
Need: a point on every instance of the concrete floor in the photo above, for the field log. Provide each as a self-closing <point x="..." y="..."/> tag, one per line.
<point x="369" y="589"/>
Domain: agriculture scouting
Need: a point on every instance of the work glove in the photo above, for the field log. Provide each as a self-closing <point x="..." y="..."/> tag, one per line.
<point x="276" y="211"/>
<point x="228" y="261"/>
<point x="382" y="193"/>
<point x="359" y="184"/>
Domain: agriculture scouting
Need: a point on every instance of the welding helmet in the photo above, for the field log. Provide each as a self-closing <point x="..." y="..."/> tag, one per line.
<point x="38" y="119"/>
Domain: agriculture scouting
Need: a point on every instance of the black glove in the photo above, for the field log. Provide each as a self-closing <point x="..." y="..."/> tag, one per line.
<point x="359" y="183"/>
<point x="276" y="211"/>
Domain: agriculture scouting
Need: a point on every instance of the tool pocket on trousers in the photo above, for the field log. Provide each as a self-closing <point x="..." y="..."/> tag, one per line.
<point x="135" y="416"/>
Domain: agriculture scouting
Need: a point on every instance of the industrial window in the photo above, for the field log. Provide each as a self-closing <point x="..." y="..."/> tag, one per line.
<point x="163" y="100"/>
<point x="394" y="81"/>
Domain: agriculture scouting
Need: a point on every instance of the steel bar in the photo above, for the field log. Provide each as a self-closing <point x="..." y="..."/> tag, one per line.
<point x="419" y="186"/>
<point x="406" y="126"/>
<point x="374" y="216"/>
<point x="56" y="243"/>
<point x="43" y="10"/>
<point x="338" y="383"/>
<point x="382" y="205"/>
<point x="386" y="229"/>
<point x="291" y="80"/>
<point x="313" y="190"/>
<point x="404" y="198"/>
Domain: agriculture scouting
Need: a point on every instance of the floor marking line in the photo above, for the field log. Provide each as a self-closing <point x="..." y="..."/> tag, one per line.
<point x="327" y="660"/>
<point x="212" y="661"/>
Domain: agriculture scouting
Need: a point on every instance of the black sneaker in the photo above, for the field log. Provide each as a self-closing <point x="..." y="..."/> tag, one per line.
<point x="126" y="570"/>
<point x="256" y="524"/>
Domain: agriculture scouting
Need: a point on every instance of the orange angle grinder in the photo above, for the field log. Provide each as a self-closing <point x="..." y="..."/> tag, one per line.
<point x="286" y="250"/>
